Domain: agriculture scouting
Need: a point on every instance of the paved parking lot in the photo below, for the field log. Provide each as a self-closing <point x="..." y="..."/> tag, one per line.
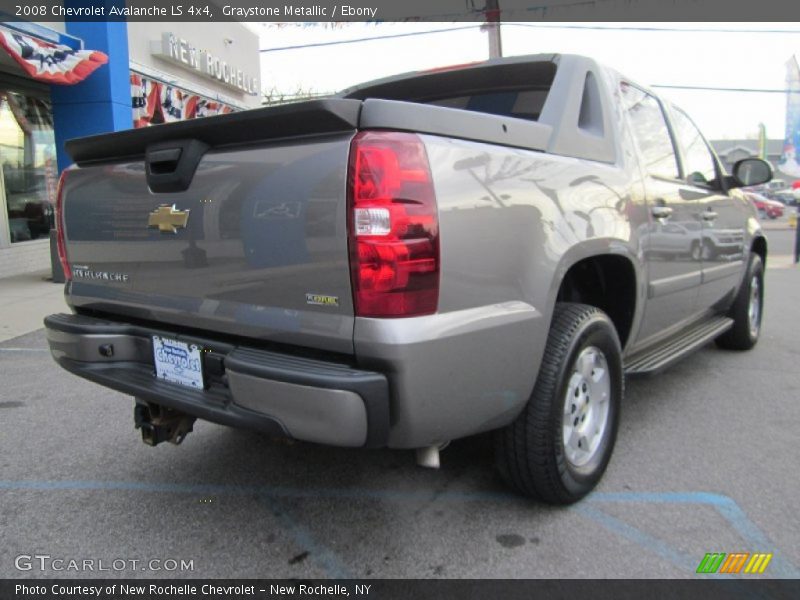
<point x="706" y="461"/>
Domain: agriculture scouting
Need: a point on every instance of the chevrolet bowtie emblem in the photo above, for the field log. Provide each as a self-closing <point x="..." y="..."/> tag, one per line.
<point x="168" y="219"/>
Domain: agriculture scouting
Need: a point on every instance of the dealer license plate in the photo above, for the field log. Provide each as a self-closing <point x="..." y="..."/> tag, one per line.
<point x="178" y="362"/>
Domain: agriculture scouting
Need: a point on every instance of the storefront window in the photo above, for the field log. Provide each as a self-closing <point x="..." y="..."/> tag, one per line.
<point x="155" y="102"/>
<point x="28" y="161"/>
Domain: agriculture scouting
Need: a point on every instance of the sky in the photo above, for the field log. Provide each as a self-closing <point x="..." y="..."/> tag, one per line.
<point x="755" y="58"/>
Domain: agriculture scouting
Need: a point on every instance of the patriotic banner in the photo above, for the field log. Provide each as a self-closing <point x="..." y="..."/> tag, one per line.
<point x="145" y="98"/>
<point x="51" y="63"/>
<point x="789" y="159"/>
<point x="155" y="102"/>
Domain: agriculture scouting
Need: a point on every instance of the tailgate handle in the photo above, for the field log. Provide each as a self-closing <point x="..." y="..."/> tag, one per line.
<point x="164" y="161"/>
<point x="170" y="166"/>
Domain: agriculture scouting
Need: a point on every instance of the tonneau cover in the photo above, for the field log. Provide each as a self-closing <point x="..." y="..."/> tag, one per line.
<point x="313" y="117"/>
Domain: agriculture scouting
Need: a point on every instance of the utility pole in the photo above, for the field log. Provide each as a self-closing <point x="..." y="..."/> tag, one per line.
<point x="492" y="26"/>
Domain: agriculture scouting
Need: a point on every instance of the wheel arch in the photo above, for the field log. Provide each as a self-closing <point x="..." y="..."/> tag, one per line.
<point x="759" y="246"/>
<point x="608" y="278"/>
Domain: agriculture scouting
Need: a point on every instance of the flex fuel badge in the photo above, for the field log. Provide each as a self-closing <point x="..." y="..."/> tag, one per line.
<point x="322" y="300"/>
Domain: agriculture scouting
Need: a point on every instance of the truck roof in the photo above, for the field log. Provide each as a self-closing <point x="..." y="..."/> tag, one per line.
<point x="402" y="84"/>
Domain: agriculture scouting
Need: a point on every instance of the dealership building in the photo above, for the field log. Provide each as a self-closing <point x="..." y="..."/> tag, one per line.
<point x="64" y="80"/>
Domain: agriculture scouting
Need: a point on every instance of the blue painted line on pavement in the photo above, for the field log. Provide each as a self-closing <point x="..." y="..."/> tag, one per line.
<point x="322" y="555"/>
<point x="637" y="536"/>
<point x="748" y="530"/>
<point x="661" y="497"/>
<point x="319" y="553"/>
<point x="687" y="564"/>
<point x="726" y="507"/>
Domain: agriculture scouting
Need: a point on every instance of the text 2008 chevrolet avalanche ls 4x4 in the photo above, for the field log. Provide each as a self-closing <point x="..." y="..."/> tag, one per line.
<point x="418" y="259"/>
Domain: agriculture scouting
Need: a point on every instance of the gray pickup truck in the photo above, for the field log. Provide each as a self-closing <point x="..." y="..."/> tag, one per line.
<point x="489" y="247"/>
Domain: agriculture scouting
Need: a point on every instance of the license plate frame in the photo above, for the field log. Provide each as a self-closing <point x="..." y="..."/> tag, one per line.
<point x="178" y="362"/>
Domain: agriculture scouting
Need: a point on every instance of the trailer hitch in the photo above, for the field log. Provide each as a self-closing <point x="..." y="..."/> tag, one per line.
<point x="161" y="424"/>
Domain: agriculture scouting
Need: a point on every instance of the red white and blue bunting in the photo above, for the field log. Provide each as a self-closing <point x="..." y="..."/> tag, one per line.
<point x="155" y="102"/>
<point x="48" y="62"/>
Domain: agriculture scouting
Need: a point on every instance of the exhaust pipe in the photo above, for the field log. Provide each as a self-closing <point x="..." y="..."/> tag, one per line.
<point x="428" y="457"/>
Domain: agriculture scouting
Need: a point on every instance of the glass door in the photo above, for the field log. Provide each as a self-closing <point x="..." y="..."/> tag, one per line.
<point x="28" y="163"/>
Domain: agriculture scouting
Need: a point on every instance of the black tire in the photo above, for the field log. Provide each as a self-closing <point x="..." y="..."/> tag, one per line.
<point x="696" y="252"/>
<point x="530" y="452"/>
<point x="709" y="251"/>
<point x="742" y="336"/>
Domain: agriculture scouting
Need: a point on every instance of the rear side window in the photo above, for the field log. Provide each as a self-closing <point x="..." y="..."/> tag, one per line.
<point x="699" y="165"/>
<point x="651" y="132"/>
<point x="522" y="104"/>
<point x="517" y="90"/>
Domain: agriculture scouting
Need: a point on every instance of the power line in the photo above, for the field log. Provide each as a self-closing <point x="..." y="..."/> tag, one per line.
<point x="592" y="27"/>
<point x="651" y="29"/>
<point x="534" y="26"/>
<point x="663" y="86"/>
<point x="725" y="89"/>
<point x="370" y="39"/>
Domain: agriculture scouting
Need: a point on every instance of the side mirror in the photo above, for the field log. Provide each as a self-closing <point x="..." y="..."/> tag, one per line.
<point x="751" y="171"/>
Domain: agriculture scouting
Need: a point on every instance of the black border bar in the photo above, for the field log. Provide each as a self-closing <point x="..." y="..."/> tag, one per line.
<point x="394" y="11"/>
<point x="412" y="589"/>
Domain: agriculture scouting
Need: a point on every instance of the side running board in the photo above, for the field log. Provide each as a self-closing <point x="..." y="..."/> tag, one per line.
<point x="663" y="355"/>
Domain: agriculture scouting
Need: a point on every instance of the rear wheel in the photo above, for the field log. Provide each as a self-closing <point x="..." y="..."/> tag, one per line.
<point x="559" y="446"/>
<point x="747" y="309"/>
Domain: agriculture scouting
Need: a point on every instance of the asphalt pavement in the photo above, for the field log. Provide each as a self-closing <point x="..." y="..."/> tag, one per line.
<point x="707" y="460"/>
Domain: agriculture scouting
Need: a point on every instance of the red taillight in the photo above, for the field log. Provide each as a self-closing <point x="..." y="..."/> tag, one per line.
<point x="62" y="248"/>
<point x="393" y="226"/>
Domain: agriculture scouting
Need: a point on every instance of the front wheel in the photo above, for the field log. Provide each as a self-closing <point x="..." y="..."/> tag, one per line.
<point x="696" y="251"/>
<point x="558" y="448"/>
<point x="747" y="309"/>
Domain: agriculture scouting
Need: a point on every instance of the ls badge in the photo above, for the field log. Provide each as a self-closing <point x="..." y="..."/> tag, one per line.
<point x="168" y="219"/>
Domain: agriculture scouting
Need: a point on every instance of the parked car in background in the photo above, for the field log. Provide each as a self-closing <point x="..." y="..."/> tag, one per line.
<point x="765" y="207"/>
<point x="786" y="197"/>
<point x="778" y="191"/>
<point x="776" y="185"/>
<point x="791" y="198"/>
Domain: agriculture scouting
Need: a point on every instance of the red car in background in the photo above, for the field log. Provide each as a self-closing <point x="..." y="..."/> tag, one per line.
<point x="765" y="207"/>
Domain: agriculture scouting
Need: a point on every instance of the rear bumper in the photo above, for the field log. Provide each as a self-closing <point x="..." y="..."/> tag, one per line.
<point x="306" y="399"/>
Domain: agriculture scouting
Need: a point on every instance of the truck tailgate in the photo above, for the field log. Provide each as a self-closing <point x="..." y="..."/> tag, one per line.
<point x="256" y="246"/>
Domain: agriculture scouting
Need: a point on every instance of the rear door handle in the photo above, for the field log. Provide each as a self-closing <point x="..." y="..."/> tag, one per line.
<point x="662" y="212"/>
<point x="709" y="215"/>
